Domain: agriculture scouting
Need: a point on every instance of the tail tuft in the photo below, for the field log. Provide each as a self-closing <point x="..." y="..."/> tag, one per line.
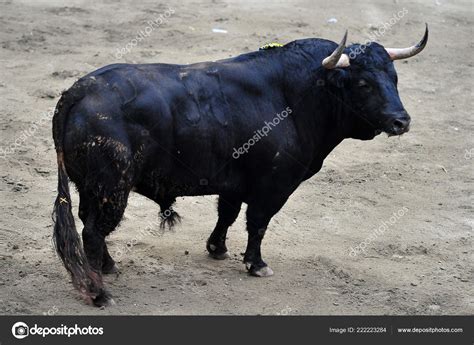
<point x="169" y="217"/>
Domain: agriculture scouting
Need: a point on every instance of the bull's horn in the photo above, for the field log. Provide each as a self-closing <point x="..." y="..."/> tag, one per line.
<point x="337" y="58"/>
<point x="403" y="53"/>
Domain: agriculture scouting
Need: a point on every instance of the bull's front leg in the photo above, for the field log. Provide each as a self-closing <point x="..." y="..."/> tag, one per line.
<point x="259" y="213"/>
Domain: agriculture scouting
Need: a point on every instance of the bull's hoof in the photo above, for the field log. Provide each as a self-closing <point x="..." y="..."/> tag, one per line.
<point x="103" y="300"/>
<point x="216" y="252"/>
<point x="110" y="269"/>
<point x="219" y="256"/>
<point x="256" y="271"/>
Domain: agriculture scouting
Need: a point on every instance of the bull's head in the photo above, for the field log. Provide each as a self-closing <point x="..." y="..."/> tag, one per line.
<point x="369" y="78"/>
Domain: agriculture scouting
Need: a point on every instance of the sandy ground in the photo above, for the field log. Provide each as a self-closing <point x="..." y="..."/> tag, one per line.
<point x="421" y="264"/>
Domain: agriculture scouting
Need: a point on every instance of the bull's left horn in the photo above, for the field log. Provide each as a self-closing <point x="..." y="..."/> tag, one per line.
<point x="337" y="58"/>
<point x="403" y="53"/>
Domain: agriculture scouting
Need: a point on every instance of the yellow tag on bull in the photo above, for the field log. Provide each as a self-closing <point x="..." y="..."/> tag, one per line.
<point x="271" y="45"/>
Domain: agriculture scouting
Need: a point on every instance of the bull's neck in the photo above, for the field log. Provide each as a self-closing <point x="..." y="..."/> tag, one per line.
<point x="319" y="112"/>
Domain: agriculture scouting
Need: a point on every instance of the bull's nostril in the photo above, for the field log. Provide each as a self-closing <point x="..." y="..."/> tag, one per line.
<point x="399" y="124"/>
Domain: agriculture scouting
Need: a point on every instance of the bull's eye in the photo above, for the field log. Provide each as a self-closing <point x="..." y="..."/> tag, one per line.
<point x="362" y="84"/>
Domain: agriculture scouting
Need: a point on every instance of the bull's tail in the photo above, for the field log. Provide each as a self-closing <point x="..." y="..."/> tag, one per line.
<point x="66" y="238"/>
<point x="67" y="241"/>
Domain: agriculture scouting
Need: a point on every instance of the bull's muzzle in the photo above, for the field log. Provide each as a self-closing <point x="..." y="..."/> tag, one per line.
<point x="397" y="123"/>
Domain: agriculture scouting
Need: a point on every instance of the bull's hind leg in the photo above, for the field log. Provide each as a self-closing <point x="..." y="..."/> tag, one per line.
<point x="228" y="208"/>
<point x="105" y="213"/>
<point x="108" y="264"/>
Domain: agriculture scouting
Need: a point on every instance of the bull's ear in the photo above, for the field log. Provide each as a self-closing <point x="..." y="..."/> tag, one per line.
<point x="338" y="77"/>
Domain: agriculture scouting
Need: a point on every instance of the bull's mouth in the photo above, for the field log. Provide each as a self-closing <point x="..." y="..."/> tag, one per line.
<point x="393" y="131"/>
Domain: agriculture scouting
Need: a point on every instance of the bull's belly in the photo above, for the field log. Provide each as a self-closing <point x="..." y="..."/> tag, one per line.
<point x="157" y="184"/>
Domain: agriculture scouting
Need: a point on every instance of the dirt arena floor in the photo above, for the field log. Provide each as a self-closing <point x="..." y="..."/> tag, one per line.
<point x="421" y="263"/>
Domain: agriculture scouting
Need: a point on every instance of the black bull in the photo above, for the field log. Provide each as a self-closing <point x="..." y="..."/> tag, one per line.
<point x="249" y="129"/>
